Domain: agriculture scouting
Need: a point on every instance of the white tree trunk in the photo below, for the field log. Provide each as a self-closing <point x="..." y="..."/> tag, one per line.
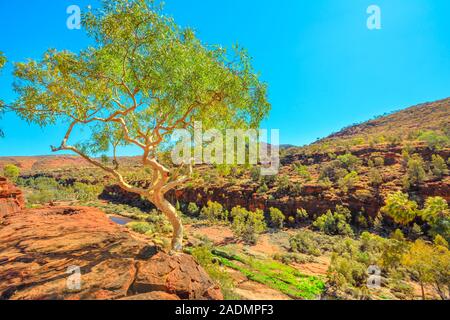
<point x="171" y="213"/>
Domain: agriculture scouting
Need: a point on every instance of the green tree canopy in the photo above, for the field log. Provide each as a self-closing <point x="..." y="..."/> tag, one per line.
<point x="11" y="172"/>
<point x="437" y="214"/>
<point x="400" y="208"/>
<point x="143" y="78"/>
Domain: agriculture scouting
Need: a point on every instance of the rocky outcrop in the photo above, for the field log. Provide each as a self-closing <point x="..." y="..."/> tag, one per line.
<point x="11" y="198"/>
<point x="41" y="252"/>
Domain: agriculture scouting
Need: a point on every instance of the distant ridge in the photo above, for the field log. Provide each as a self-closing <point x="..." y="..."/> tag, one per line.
<point x="425" y="116"/>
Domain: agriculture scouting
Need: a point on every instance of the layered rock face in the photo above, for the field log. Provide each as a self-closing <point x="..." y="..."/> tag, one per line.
<point x="78" y="254"/>
<point x="313" y="197"/>
<point x="11" y="198"/>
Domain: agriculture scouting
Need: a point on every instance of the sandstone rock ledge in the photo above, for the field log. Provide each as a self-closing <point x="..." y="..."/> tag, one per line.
<point x="38" y="246"/>
<point x="11" y="198"/>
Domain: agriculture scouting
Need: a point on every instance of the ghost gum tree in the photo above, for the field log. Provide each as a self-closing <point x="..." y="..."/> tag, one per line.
<point x="143" y="78"/>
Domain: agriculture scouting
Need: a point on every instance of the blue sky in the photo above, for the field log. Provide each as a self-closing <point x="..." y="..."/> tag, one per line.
<point x="324" y="68"/>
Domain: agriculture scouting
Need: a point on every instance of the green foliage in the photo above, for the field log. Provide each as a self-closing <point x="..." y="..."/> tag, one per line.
<point x="223" y="170"/>
<point x="141" y="227"/>
<point x="400" y="208"/>
<point x="263" y="189"/>
<point x="349" y="162"/>
<point x="398" y="235"/>
<point x="290" y="258"/>
<point x="135" y="85"/>
<point x="416" y="231"/>
<point x="149" y="59"/>
<point x="277" y="218"/>
<point x="11" y="172"/>
<point x="332" y="171"/>
<point x="335" y="223"/>
<point x="393" y="251"/>
<point x="342" y="170"/>
<point x="2" y="60"/>
<point x="86" y="192"/>
<point x="214" y="212"/>
<point x="204" y="256"/>
<point x="361" y="221"/>
<point x="375" y="177"/>
<point x="346" y="276"/>
<point x="416" y="172"/>
<point x="287" y="188"/>
<point x="305" y="242"/>
<point x="429" y="265"/>
<point x="438" y="166"/>
<point x="348" y="181"/>
<point x="248" y="224"/>
<point x="45" y="190"/>
<point x="434" y="140"/>
<point x="255" y="174"/>
<point x="378" y="162"/>
<point x="283" y="184"/>
<point x="193" y="209"/>
<point x="275" y="275"/>
<point x="301" y="215"/>
<point x="437" y="214"/>
<point x="440" y="241"/>
<point x="302" y="171"/>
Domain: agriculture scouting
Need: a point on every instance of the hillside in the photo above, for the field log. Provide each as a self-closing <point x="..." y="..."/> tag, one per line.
<point x="427" y="116"/>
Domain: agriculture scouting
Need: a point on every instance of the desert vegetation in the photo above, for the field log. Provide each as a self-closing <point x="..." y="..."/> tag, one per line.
<point x="368" y="201"/>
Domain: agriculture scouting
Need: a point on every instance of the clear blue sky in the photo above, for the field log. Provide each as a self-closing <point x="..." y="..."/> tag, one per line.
<point x="324" y="68"/>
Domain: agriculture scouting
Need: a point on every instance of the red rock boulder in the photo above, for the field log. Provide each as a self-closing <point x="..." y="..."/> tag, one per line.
<point x="11" y="198"/>
<point x="44" y="252"/>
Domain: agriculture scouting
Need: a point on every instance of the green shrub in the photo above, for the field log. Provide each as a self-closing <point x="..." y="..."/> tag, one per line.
<point x="440" y="241"/>
<point x="416" y="172"/>
<point x="335" y="223"/>
<point x="402" y="210"/>
<point x="255" y="174"/>
<point x="437" y="214"/>
<point x="346" y="277"/>
<point x="86" y="192"/>
<point x="332" y="171"/>
<point x="214" y="212"/>
<point x="434" y="140"/>
<point x="283" y="184"/>
<point x="416" y="231"/>
<point x="277" y="218"/>
<point x="375" y="177"/>
<point x="301" y="215"/>
<point x="263" y="189"/>
<point x="378" y="162"/>
<point x="438" y="166"/>
<point x="305" y="242"/>
<point x="140" y="227"/>
<point x="11" y="172"/>
<point x="193" y="209"/>
<point x="348" y="181"/>
<point x="203" y="255"/>
<point x="248" y="224"/>
<point x="289" y="258"/>
<point x="303" y="171"/>
<point x="287" y="188"/>
<point x="349" y="162"/>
